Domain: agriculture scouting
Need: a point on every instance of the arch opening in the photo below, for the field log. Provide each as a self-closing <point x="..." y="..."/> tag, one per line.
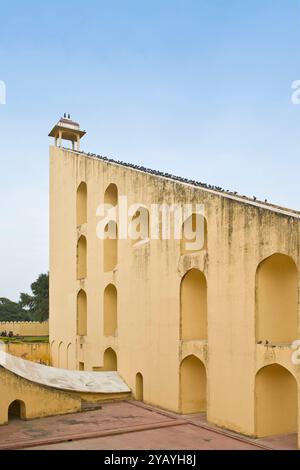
<point x="192" y="385"/>
<point x="82" y="258"/>
<point x="276" y="401"/>
<point x="81" y="313"/>
<point x="111" y="195"/>
<point x="139" y="387"/>
<point x="110" y="361"/>
<point x="110" y="303"/>
<point x="81" y="204"/>
<point x="17" y="410"/>
<point x="193" y="303"/>
<point x="276" y="299"/>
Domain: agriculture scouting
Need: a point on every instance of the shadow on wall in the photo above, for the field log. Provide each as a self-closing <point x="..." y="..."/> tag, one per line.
<point x="81" y="313"/>
<point x="17" y="410"/>
<point x="110" y="311"/>
<point x="193" y="300"/>
<point x="192" y="385"/>
<point x="139" y="387"/>
<point x="110" y="361"/>
<point x="81" y="204"/>
<point x="276" y="299"/>
<point x="82" y="258"/>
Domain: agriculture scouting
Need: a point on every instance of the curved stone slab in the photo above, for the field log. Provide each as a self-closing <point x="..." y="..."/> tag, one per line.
<point x="76" y="381"/>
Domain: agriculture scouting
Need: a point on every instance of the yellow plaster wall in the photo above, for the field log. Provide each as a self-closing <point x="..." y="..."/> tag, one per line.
<point x="26" y="328"/>
<point x="39" y="401"/>
<point x="36" y="352"/>
<point x="148" y="278"/>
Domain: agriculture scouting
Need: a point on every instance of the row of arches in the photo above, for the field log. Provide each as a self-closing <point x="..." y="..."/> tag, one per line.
<point x="110" y="197"/>
<point x="110" y="257"/>
<point x="276" y="394"/>
<point x="276" y="295"/>
<point x="110" y="244"/>
<point x="62" y="353"/>
<point x="139" y="230"/>
<point x="64" y="356"/>
<point x="110" y="253"/>
<point x="276" y="302"/>
<point x="110" y="311"/>
<point x="139" y="233"/>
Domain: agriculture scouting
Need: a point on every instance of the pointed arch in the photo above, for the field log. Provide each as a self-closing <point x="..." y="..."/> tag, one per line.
<point x="110" y="305"/>
<point x="193" y="306"/>
<point x="81" y="204"/>
<point x="192" y="385"/>
<point x="82" y="258"/>
<point x="81" y="313"/>
<point x="111" y="194"/>
<point x="276" y="299"/>
<point x="276" y="401"/>
<point x="139" y="387"/>
<point x="110" y="361"/>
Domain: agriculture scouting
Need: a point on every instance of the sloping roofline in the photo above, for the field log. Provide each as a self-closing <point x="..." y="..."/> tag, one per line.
<point x="205" y="187"/>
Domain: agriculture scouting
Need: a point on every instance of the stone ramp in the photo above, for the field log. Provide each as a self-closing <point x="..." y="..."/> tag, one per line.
<point x="39" y="391"/>
<point x="62" y="379"/>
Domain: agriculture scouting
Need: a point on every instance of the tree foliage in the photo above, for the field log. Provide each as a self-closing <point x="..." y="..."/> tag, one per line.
<point x="12" y="311"/>
<point x="37" y="304"/>
<point x="31" y="307"/>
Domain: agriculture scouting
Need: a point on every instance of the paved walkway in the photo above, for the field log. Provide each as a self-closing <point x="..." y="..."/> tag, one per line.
<point x="127" y="425"/>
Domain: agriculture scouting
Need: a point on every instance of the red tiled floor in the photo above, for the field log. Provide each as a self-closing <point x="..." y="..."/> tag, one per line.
<point x="110" y="417"/>
<point x="184" y="437"/>
<point x="130" y="425"/>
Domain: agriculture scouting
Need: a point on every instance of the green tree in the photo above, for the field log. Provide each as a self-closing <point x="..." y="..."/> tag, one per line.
<point x="12" y="311"/>
<point x="37" y="304"/>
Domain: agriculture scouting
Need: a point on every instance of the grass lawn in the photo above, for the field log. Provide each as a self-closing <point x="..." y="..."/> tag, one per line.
<point x="25" y="339"/>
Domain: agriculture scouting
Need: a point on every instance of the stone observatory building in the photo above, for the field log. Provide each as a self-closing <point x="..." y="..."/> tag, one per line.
<point x="191" y="323"/>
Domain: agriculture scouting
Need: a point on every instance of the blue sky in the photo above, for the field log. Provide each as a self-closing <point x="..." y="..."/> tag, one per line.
<point x="199" y="88"/>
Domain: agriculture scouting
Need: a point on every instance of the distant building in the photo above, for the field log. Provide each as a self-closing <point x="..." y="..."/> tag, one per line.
<point x="208" y="329"/>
